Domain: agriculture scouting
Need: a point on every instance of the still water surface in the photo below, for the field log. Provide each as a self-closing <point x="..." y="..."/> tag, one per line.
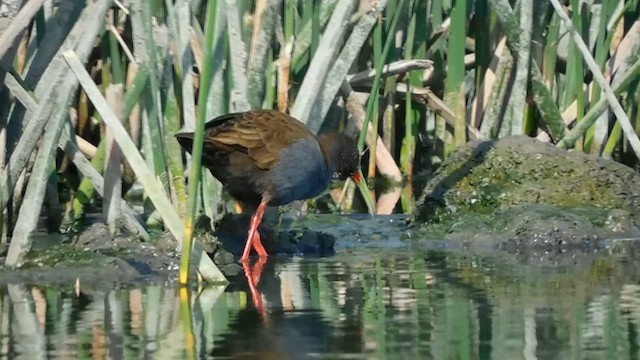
<point x="399" y="303"/>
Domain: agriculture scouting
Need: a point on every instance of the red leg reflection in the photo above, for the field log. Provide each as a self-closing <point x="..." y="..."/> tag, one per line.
<point x="253" y="275"/>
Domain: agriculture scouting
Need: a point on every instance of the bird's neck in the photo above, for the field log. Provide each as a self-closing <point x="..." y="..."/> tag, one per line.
<point x="325" y="141"/>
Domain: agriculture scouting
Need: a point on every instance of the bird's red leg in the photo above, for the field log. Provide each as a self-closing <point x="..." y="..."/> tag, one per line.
<point x="252" y="239"/>
<point x="257" y="245"/>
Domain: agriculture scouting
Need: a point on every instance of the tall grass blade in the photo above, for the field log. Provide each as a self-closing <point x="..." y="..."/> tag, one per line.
<point x="377" y="58"/>
<point x="147" y="54"/>
<point x="238" y="55"/>
<point x="376" y="81"/>
<point x="89" y="27"/>
<point x="85" y="190"/>
<point x="198" y="139"/>
<point x="624" y="57"/>
<point x="540" y="93"/>
<point x="627" y="128"/>
<point x="518" y="92"/>
<point x="19" y="23"/>
<point x="593" y="142"/>
<point x="551" y="52"/>
<point x="92" y="176"/>
<point x="321" y="62"/>
<point x="259" y="55"/>
<point x="455" y="60"/>
<point x="47" y="91"/>
<point x="484" y="91"/>
<point x="483" y="40"/>
<point x="492" y="118"/>
<point x="599" y="107"/>
<point x="112" y="174"/>
<point x="300" y="56"/>
<point x="336" y="76"/>
<point x="408" y="149"/>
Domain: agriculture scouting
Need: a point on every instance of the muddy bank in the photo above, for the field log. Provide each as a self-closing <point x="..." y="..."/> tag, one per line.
<point x="98" y="259"/>
<point x="518" y="192"/>
<point x="103" y="261"/>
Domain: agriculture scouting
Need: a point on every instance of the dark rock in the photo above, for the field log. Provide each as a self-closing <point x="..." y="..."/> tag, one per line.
<point x="166" y="242"/>
<point x="278" y="237"/>
<point x="317" y="243"/>
<point x="223" y="257"/>
<point x="232" y="269"/>
<point x="96" y="236"/>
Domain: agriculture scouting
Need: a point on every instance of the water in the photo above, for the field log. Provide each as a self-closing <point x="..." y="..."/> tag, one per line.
<point x="362" y="303"/>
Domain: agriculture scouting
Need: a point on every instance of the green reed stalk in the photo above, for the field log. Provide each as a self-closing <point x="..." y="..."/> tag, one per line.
<point x="603" y="44"/>
<point x="154" y="102"/>
<point x="376" y="80"/>
<point x="550" y="56"/>
<point x="455" y="60"/>
<point x="415" y="48"/>
<point x="599" y="107"/>
<point x="578" y="84"/>
<point x="198" y="139"/>
<point x="377" y="59"/>
<point x="85" y="191"/>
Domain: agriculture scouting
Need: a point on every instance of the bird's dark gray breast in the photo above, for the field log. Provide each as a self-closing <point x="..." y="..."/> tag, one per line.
<point x="300" y="173"/>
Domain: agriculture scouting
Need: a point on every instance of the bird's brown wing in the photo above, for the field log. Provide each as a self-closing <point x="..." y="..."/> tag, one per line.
<point x="261" y="134"/>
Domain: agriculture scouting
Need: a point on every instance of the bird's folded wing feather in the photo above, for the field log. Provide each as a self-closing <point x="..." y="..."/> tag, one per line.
<point x="261" y="135"/>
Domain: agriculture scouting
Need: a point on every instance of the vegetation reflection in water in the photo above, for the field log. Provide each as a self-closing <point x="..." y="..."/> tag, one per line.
<point x="391" y="304"/>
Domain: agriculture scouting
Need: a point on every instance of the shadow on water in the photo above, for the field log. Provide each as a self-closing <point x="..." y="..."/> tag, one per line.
<point x="402" y="302"/>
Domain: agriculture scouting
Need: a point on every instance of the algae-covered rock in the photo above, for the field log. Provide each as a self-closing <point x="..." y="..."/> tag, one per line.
<point x="486" y="190"/>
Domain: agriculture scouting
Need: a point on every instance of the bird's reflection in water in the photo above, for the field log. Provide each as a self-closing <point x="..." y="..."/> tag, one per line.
<point x="273" y="328"/>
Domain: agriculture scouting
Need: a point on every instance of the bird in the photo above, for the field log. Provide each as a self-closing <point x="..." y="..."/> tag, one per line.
<point x="269" y="158"/>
